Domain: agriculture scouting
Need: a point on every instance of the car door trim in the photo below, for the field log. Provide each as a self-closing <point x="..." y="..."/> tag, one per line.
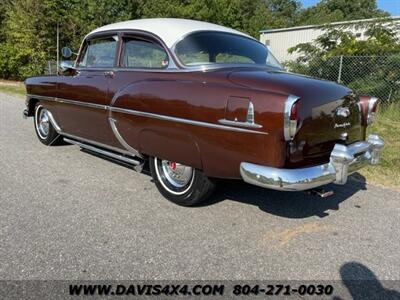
<point x="182" y="120"/>
<point x="68" y="101"/>
<point x="149" y="115"/>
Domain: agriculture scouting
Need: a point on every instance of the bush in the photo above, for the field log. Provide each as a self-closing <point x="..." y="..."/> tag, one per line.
<point x="20" y="64"/>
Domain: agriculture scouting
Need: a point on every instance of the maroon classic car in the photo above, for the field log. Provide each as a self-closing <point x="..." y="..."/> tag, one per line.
<point x="198" y="101"/>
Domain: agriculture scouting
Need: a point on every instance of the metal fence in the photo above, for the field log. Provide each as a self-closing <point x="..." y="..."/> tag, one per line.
<point x="378" y="76"/>
<point x="371" y="75"/>
<point x="50" y="68"/>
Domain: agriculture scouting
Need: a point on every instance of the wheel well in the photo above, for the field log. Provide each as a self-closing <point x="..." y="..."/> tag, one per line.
<point x="31" y="106"/>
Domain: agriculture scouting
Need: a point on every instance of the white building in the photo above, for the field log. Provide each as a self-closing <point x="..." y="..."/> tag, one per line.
<point x="280" y="40"/>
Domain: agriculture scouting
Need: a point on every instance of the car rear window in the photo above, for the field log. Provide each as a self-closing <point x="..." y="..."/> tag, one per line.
<point x="211" y="47"/>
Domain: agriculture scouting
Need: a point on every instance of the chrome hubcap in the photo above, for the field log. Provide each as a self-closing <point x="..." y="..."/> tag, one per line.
<point x="42" y="122"/>
<point x="176" y="174"/>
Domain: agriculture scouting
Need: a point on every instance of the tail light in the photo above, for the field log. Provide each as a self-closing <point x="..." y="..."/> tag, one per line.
<point x="291" y="117"/>
<point x="368" y="106"/>
<point x="372" y="106"/>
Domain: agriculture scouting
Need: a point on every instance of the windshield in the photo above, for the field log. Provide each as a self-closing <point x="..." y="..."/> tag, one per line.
<point x="208" y="47"/>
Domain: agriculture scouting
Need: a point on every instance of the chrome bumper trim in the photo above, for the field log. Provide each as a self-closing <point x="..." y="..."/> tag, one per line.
<point x="344" y="160"/>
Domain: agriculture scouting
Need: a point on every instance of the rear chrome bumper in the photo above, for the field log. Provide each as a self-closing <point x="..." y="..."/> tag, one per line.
<point x="344" y="160"/>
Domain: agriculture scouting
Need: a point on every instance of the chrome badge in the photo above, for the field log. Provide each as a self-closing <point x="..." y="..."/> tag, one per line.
<point x="342" y="125"/>
<point x="343" y="112"/>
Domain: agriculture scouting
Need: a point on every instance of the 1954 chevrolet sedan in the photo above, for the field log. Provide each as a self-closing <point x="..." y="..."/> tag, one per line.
<point x="198" y="101"/>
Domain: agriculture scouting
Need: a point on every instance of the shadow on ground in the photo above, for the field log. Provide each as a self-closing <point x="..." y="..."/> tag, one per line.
<point x="294" y="205"/>
<point x="362" y="284"/>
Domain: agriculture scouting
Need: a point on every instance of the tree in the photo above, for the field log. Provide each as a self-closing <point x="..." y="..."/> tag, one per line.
<point x="29" y="42"/>
<point x="380" y="38"/>
<point x="28" y="28"/>
<point x="246" y="15"/>
<point x="327" y="11"/>
<point x="284" y="12"/>
<point x="369" y="65"/>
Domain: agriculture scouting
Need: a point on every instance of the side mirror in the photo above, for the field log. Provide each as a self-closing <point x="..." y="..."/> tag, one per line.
<point x="66" y="52"/>
<point x="66" y="66"/>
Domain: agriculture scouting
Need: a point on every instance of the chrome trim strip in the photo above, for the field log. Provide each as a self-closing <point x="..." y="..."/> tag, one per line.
<point x="242" y="124"/>
<point x="103" y="152"/>
<point x="83" y="140"/>
<point x="80" y="103"/>
<point x="286" y="123"/>
<point x="344" y="161"/>
<point x="67" y="101"/>
<point x="40" y="97"/>
<point x="121" y="139"/>
<point x="151" y="115"/>
<point x="249" y="119"/>
<point x="181" y="120"/>
<point x="129" y="150"/>
<point x="53" y="122"/>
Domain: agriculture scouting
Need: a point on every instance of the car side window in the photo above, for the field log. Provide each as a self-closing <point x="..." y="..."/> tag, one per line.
<point x="99" y="53"/>
<point x="143" y="54"/>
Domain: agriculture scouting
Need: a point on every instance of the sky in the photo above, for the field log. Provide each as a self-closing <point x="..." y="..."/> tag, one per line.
<point x="391" y="6"/>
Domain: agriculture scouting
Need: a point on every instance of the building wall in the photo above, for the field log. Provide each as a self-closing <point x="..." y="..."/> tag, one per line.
<point x="280" y="40"/>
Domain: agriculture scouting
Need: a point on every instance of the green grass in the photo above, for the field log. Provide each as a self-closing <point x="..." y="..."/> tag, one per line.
<point x="386" y="125"/>
<point x="12" y="87"/>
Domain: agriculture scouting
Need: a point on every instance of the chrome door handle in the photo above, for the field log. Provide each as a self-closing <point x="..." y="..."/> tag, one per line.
<point x="109" y="74"/>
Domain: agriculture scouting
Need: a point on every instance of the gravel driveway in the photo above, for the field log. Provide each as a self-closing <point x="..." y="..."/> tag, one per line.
<point x="67" y="214"/>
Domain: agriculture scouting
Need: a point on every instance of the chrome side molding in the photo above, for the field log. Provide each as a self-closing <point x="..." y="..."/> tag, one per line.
<point x="53" y="122"/>
<point x="241" y="124"/>
<point x="230" y="127"/>
<point x="68" y="101"/>
<point x="120" y="139"/>
<point x="250" y="123"/>
<point x="182" y="120"/>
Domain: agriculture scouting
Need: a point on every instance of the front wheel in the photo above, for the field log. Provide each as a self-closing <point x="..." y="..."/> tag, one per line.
<point x="180" y="184"/>
<point x="43" y="127"/>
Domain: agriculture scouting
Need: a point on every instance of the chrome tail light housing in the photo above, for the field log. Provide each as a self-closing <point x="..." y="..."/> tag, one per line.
<point x="368" y="107"/>
<point x="291" y="117"/>
<point x="372" y="106"/>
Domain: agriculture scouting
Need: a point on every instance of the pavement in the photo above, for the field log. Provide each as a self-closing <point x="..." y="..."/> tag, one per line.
<point x="67" y="214"/>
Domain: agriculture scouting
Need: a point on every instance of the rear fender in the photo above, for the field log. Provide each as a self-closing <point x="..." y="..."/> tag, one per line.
<point x="174" y="145"/>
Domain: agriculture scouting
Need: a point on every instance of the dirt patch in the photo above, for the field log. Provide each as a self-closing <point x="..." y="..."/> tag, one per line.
<point x="282" y="238"/>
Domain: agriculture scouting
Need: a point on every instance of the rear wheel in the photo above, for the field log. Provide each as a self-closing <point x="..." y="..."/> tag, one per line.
<point x="43" y="127"/>
<point x="180" y="184"/>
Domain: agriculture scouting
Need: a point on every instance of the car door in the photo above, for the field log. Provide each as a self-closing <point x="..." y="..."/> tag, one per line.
<point x="142" y="65"/>
<point x="84" y="97"/>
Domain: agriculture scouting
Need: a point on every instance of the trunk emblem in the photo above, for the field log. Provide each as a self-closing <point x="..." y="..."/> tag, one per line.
<point x="343" y="112"/>
<point x="342" y="125"/>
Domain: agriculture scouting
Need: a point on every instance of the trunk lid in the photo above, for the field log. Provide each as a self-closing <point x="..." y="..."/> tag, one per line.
<point x="336" y="122"/>
<point x="328" y="112"/>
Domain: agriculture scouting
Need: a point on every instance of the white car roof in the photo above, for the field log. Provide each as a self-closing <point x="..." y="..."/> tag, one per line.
<point x="168" y="29"/>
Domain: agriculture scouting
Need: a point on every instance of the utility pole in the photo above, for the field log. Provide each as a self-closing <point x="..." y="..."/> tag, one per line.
<point x="340" y="69"/>
<point x="58" y="46"/>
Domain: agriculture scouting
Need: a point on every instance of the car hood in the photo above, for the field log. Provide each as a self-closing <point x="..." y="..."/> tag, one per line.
<point x="286" y="83"/>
